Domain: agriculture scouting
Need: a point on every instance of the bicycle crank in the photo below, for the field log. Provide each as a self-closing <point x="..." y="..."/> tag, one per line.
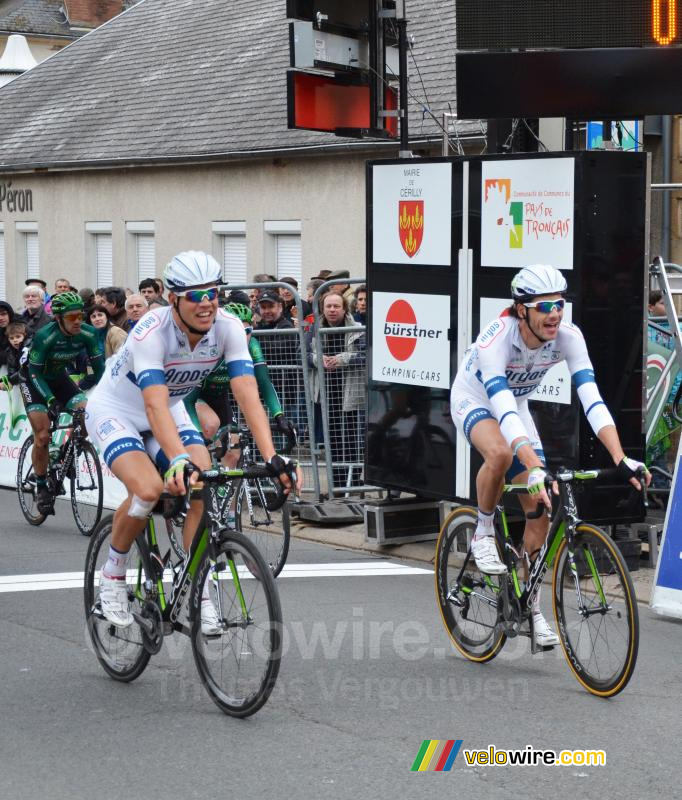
<point x="151" y="626"/>
<point x="511" y="609"/>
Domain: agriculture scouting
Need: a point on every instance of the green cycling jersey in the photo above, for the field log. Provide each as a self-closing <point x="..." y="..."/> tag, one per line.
<point x="53" y="350"/>
<point x="218" y="382"/>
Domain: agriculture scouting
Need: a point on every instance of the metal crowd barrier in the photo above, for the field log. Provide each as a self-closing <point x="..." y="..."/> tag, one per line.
<point x="325" y="400"/>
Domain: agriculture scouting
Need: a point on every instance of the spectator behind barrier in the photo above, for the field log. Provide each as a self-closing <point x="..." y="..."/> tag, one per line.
<point x="360" y="305"/>
<point x="88" y="297"/>
<point x="6" y="316"/>
<point x="11" y="357"/>
<point x="111" y="336"/>
<point x="149" y="289"/>
<point x="34" y="314"/>
<point x="114" y="300"/>
<point x="344" y="362"/>
<point x="656" y="305"/>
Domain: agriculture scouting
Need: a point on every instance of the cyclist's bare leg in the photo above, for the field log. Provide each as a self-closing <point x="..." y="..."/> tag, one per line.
<point x="40" y="424"/>
<point x="487" y="438"/>
<point x="536" y="530"/>
<point x="139" y="476"/>
<point x="208" y="419"/>
<point x="199" y="456"/>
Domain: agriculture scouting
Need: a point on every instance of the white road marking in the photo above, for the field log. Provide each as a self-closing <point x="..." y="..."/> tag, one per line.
<point x="352" y="569"/>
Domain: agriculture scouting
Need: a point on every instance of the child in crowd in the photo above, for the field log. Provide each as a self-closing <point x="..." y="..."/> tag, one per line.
<point x="16" y="336"/>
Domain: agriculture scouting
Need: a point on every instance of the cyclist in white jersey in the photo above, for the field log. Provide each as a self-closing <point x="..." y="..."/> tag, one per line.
<point x="136" y="409"/>
<point x="489" y="405"/>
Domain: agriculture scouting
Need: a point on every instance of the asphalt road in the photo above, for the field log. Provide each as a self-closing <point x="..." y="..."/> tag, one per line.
<point x="367" y="676"/>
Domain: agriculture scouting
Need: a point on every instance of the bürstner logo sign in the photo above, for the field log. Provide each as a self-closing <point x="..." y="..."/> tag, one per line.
<point x="15" y="199"/>
<point x="410" y="339"/>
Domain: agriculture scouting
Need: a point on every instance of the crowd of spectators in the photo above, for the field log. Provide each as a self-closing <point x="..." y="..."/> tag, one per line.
<point x="114" y="311"/>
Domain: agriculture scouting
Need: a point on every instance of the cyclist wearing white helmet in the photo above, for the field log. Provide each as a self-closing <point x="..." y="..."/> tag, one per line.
<point x="489" y="405"/>
<point x="136" y="409"/>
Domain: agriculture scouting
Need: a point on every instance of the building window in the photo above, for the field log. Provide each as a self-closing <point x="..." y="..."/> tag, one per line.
<point x="229" y="247"/>
<point x="28" y="249"/>
<point x="141" y="251"/>
<point x="283" y="248"/>
<point x="3" y="284"/>
<point x="99" y="253"/>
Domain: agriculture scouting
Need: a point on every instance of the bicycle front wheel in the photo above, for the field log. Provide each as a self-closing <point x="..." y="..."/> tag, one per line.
<point x="120" y="651"/>
<point x="26" y="485"/>
<point x="239" y="666"/>
<point x="598" y="621"/>
<point x="269" y="530"/>
<point x="87" y="490"/>
<point x="468" y="599"/>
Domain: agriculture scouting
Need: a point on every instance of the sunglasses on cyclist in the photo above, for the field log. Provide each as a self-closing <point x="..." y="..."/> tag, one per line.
<point x="547" y="306"/>
<point x="197" y="295"/>
<point x="73" y="316"/>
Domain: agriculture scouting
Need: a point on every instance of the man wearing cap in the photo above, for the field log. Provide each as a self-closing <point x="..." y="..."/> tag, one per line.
<point x="343" y="287"/>
<point x="278" y="350"/>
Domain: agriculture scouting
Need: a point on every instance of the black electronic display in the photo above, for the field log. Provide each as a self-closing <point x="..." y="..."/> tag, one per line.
<point x="562" y="24"/>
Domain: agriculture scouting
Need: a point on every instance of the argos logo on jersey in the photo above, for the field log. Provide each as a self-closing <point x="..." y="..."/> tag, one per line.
<point x="148" y="323"/>
<point x="491" y="333"/>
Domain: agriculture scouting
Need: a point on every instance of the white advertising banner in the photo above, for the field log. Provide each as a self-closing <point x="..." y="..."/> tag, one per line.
<point x="12" y="438"/>
<point x="410" y="339"/>
<point x="527" y="212"/>
<point x="556" y="385"/>
<point x="411" y="221"/>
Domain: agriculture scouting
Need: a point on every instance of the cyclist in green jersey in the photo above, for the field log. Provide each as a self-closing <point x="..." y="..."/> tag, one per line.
<point x="47" y="383"/>
<point x="209" y="405"/>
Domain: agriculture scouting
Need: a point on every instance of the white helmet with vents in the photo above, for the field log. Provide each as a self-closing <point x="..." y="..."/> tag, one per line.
<point x="535" y="280"/>
<point x="191" y="269"/>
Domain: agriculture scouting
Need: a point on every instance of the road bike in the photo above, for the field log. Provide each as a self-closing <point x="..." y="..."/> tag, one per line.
<point x="238" y="667"/>
<point x="76" y="463"/>
<point x="593" y="598"/>
<point x="257" y="511"/>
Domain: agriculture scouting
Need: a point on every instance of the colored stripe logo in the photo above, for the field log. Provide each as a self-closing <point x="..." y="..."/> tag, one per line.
<point x="436" y="755"/>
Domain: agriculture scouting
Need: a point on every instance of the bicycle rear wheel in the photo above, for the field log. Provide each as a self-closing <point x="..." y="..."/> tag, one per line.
<point x="239" y="667"/>
<point x="599" y="632"/>
<point x="120" y="651"/>
<point x="468" y="599"/>
<point x="26" y="485"/>
<point x="87" y="491"/>
<point x="269" y="530"/>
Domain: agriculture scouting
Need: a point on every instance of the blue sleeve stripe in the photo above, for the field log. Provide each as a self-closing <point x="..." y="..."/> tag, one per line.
<point x="504" y="416"/>
<point x="235" y="369"/>
<point x="495" y="385"/>
<point x="150" y="377"/>
<point x="598" y="403"/>
<point x="583" y="376"/>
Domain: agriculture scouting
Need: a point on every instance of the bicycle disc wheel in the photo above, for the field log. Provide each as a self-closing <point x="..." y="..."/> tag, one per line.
<point x="120" y="650"/>
<point x="467" y="598"/>
<point x="268" y="530"/>
<point x="599" y="632"/>
<point x="238" y="667"/>
<point x="26" y="485"/>
<point x="87" y="491"/>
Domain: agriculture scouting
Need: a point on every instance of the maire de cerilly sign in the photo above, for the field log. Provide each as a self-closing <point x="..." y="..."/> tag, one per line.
<point x="15" y="199"/>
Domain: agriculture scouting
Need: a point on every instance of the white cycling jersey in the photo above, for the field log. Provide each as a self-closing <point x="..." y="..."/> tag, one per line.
<point x="158" y="352"/>
<point x="499" y="372"/>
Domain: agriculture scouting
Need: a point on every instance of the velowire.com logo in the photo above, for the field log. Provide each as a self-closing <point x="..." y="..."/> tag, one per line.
<point x="438" y="755"/>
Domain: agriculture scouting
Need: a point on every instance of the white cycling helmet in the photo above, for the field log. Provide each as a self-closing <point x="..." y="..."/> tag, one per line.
<point x="190" y="269"/>
<point x="537" y="279"/>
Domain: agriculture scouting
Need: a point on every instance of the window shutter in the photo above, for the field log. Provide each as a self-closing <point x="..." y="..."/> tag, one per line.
<point x="146" y="256"/>
<point x="104" y="265"/>
<point x="3" y="285"/>
<point x="32" y="255"/>
<point x="234" y="259"/>
<point x="288" y="255"/>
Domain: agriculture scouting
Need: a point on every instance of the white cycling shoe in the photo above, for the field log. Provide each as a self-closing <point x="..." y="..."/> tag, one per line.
<point x="113" y="599"/>
<point x="484" y="551"/>
<point x="544" y="635"/>
<point x="210" y="621"/>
